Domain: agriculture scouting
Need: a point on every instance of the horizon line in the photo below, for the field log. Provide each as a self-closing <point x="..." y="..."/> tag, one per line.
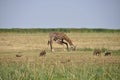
<point x="58" y="28"/>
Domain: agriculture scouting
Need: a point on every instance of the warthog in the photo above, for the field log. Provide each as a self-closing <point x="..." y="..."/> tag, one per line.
<point x="42" y="53"/>
<point x="97" y="52"/>
<point x="18" y="55"/>
<point x="107" y="53"/>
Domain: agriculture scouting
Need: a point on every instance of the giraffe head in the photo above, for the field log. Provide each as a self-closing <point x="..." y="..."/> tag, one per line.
<point x="73" y="47"/>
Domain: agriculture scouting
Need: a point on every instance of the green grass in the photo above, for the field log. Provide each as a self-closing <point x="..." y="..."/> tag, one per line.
<point x="58" y="71"/>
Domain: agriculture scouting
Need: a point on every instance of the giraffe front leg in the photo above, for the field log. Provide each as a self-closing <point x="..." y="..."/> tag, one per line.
<point x="66" y="44"/>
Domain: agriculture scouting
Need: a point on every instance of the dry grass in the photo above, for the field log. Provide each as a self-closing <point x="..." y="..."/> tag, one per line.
<point x="39" y="41"/>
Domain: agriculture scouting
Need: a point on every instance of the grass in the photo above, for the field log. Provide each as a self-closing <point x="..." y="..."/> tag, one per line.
<point x="60" y="64"/>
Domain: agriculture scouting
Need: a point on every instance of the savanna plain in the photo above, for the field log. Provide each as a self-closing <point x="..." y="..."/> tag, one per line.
<point x="60" y="64"/>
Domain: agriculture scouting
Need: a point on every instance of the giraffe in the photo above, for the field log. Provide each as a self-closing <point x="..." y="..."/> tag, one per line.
<point x="60" y="38"/>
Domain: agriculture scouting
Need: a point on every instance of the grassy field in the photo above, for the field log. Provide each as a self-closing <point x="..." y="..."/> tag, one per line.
<point x="60" y="64"/>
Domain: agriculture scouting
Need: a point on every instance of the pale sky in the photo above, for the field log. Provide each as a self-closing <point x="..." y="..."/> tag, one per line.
<point x="60" y="14"/>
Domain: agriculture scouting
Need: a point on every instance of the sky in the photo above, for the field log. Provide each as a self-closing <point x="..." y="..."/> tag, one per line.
<point x="60" y="14"/>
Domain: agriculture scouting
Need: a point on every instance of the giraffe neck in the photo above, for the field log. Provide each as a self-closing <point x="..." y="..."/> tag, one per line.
<point x="68" y="40"/>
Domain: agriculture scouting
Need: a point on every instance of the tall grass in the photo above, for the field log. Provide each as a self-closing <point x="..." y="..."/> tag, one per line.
<point x="58" y="71"/>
